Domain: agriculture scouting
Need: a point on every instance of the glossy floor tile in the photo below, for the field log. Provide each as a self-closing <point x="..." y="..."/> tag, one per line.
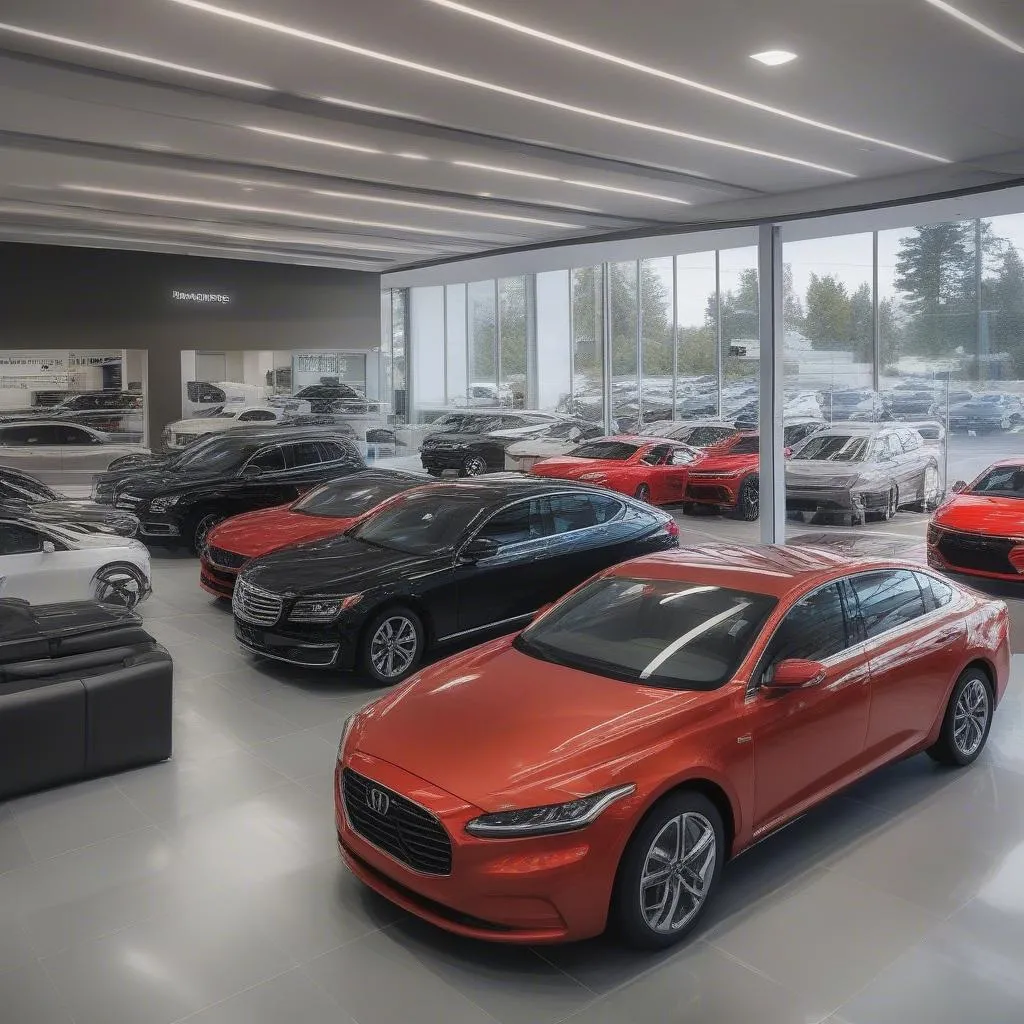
<point x="208" y="889"/>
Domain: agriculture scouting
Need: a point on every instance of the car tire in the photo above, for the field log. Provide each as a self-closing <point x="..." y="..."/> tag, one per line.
<point x="892" y="504"/>
<point x="197" y="529"/>
<point x="972" y="701"/>
<point x="396" y="632"/>
<point x="748" y="504"/>
<point x="931" y="490"/>
<point x="121" y="584"/>
<point x="643" y="493"/>
<point x="692" y="508"/>
<point x="474" y="465"/>
<point x="634" y="910"/>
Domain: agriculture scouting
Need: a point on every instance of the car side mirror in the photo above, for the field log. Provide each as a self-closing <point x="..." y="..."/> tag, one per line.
<point x="960" y="485"/>
<point x="49" y="547"/>
<point x="793" y="674"/>
<point x="479" y="548"/>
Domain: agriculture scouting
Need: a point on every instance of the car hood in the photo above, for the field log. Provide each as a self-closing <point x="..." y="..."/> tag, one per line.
<point x="542" y="447"/>
<point x="983" y="513"/>
<point x="100" y="540"/>
<point x="256" y="533"/>
<point x="568" y="467"/>
<point x="496" y="727"/>
<point x="339" y="564"/>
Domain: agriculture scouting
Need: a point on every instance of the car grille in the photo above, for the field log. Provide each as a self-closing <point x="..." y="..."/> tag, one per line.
<point x="129" y="501"/>
<point x="405" y="831"/>
<point x="971" y="551"/>
<point x="225" y="559"/>
<point x="250" y="604"/>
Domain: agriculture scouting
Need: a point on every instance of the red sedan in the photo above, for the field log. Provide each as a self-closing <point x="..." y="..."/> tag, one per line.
<point x="979" y="530"/>
<point x="648" y="468"/>
<point x="325" y="511"/>
<point x="601" y="766"/>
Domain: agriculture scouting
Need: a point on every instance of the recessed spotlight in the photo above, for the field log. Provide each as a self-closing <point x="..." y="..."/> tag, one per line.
<point x="486" y="195"/>
<point x="773" y="58"/>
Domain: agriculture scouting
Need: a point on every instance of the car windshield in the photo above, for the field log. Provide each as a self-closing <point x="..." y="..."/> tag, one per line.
<point x="214" y="458"/>
<point x="835" y="448"/>
<point x="473" y="425"/>
<point x="345" y="499"/>
<point x="562" y="430"/>
<point x="667" y="633"/>
<point x="615" y="451"/>
<point x="27" y="488"/>
<point x="1005" y="481"/>
<point x="421" y="522"/>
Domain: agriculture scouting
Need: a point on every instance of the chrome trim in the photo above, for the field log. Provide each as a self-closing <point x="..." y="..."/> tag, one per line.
<point x="290" y="661"/>
<point x="490" y="625"/>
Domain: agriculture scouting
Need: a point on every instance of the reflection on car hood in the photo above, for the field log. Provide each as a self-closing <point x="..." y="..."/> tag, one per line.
<point x="542" y="446"/>
<point x="568" y="467"/>
<point x="163" y="481"/>
<point x="338" y="565"/>
<point x="983" y="513"/>
<point x="495" y="727"/>
<point x="71" y="512"/>
<point x="256" y="533"/>
<point x="725" y="463"/>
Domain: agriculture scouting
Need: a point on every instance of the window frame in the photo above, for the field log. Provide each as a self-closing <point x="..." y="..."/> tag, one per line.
<point x="43" y="537"/>
<point x="925" y="611"/>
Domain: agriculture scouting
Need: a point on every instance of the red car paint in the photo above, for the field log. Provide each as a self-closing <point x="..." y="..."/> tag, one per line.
<point x="494" y="729"/>
<point x="723" y="470"/>
<point x="660" y="466"/>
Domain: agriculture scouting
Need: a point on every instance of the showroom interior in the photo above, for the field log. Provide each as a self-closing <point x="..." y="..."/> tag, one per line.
<point x="511" y="513"/>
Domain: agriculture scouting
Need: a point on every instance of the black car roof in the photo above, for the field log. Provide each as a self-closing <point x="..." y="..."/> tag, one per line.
<point x="497" y="488"/>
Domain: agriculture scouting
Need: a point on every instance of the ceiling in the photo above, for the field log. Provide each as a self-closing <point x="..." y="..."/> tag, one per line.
<point x="385" y="134"/>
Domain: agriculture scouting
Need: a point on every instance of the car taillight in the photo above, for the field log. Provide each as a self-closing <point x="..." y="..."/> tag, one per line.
<point x="671" y="528"/>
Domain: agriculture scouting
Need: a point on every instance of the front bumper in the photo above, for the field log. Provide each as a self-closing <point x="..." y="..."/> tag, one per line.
<point x="215" y="579"/>
<point x="994" y="558"/>
<point x="308" y="646"/>
<point x="718" y="491"/>
<point x="533" y="890"/>
<point x="843" y="500"/>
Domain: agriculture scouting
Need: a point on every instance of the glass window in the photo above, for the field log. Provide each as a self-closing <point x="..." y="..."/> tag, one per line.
<point x="269" y="460"/>
<point x="348" y="498"/>
<point x="302" y="454"/>
<point x="623" y="284"/>
<point x="426" y="356"/>
<point x="656" y="632"/>
<point x="16" y="539"/>
<point x="587" y="345"/>
<point x="815" y="628"/>
<point x="66" y="434"/>
<point x="554" y="349"/>
<point x="455" y="364"/>
<point x="515" y="525"/>
<point x="701" y="437"/>
<point x="332" y="451"/>
<point x="618" y="451"/>
<point x="697" y="338"/>
<point x="572" y="512"/>
<point x="887" y="599"/>
<point x="738" y="308"/>
<point x="483" y="342"/>
<point x="657" y="456"/>
<point x="682" y="457"/>
<point x="746" y="446"/>
<point x="512" y="341"/>
<point x="256" y="416"/>
<point x="941" y="593"/>
<point x="1006" y="481"/>
<point x="31" y="435"/>
<point x="21" y="486"/>
<point x="835" y="448"/>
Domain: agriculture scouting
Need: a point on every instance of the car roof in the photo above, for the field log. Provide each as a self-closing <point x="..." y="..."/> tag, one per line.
<point x="369" y="476"/>
<point x="773" y="569"/>
<point x="496" y="488"/>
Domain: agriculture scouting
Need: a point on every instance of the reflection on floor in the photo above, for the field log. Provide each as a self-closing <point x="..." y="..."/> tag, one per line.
<point x="208" y="888"/>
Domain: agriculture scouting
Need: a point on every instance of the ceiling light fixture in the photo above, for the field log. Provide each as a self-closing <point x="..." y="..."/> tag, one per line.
<point x="412" y="156"/>
<point x="773" y="58"/>
<point x="244" y="208"/>
<point x="125" y="55"/>
<point x="568" y="181"/>
<point x="978" y="26"/>
<point x="611" y="58"/>
<point x="356" y="197"/>
<point x="451" y="76"/>
<point x="313" y="139"/>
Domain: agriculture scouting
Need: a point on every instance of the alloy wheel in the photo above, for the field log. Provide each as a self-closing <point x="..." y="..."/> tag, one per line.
<point x="474" y="466"/>
<point x="643" y="493"/>
<point x="970" y="718"/>
<point x="119" y="586"/>
<point x="678" y="872"/>
<point x="393" y="647"/>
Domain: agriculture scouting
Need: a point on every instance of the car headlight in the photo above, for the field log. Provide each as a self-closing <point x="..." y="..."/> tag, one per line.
<point x="322" y="609"/>
<point x="594" y="478"/>
<point x="538" y="821"/>
<point x="345" y="730"/>
<point x="164" y="504"/>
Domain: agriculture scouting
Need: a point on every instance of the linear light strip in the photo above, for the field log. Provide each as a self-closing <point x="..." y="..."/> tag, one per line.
<point x="125" y="55"/>
<point x="611" y="58"/>
<point x="451" y="76"/>
<point x="978" y="26"/>
<point x="273" y="211"/>
<point x="315" y="140"/>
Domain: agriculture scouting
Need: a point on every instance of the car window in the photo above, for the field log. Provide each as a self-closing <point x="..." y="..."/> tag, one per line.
<point x="681" y="457"/>
<point x="911" y="441"/>
<point x="270" y="460"/>
<point x="656" y="456"/>
<point x="746" y="446"/>
<point x="331" y="451"/>
<point x="302" y="454"/>
<point x="1006" y="481"/>
<point x="887" y="599"/>
<point x="893" y="444"/>
<point x="16" y="539"/>
<point x="14" y="485"/>
<point x="44" y="434"/>
<point x="73" y="435"/>
<point x="522" y="522"/>
<point x="254" y="415"/>
<point x="834" y="448"/>
<point x="815" y="628"/>
<point x="936" y="593"/>
<point x="617" y="451"/>
<point x="571" y="512"/>
<point x="700" y="437"/>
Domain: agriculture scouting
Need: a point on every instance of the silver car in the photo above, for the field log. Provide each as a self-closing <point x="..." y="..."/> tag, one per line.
<point x="60" y="453"/>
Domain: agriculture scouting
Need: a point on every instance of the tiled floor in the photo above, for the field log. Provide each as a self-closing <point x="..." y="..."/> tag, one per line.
<point x="208" y="889"/>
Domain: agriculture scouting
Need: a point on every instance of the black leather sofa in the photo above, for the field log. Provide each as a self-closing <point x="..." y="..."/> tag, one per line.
<point x="84" y="690"/>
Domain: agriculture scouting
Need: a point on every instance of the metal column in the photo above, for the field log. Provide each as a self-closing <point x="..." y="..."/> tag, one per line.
<point x="675" y="338"/>
<point x="719" y="355"/>
<point x="532" y="379"/>
<point x="772" y="346"/>
<point x="639" y="349"/>
<point x="876" y="338"/>
<point x="606" y="346"/>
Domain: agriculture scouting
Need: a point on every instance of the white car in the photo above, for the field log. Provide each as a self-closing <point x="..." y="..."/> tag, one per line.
<point x="205" y="399"/>
<point x="182" y="433"/>
<point x="559" y="439"/>
<point x="64" y="455"/>
<point x="44" y="563"/>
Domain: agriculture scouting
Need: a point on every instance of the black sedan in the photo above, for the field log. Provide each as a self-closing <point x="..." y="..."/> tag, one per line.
<point x="442" y="562"/>
<point x="183" y="498"/>
<point x="475" y="443"/>
<point x="22" y="495"/>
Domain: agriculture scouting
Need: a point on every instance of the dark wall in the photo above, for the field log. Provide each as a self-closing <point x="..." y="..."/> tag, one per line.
<point x="55" y="297"/>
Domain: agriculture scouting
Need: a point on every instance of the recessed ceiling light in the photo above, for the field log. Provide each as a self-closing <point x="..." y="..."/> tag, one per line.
<point x="773" y="58"/>
<point x="156" y="197"/>
<point x="978" y="26"/>
<point x="503" y="90"/>
<point x="611" y="58"/>
<point x="125" y="55"/>
<point x="313" y="139"/>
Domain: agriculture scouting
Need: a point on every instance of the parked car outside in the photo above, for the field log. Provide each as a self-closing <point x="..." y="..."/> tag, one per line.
<point x="558" y="439"/>
<point x="182" y="433"/>
<point x="585" y="774"/>
<point x="696" y="433"/>
<point x="473" y="443"/>
<point x="443" y="562"/>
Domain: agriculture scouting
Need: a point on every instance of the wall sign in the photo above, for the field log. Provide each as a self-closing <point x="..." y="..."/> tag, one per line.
<point x="201" y="298"/>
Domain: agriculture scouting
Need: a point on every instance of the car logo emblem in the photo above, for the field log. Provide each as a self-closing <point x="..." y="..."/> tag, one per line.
<point x="378" y="801"/>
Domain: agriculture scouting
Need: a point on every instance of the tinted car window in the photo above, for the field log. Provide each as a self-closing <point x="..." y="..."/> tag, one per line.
<point x="815" y="628"/>
<point x="835" y="448"/>
<point x="331" y="451"/>
<point x="14" y="485"/>
<point x="746" y="446"/>
<point x="515" y="525"/>
<point x="347" y="500"/>
<point x="887" y="599"/>
<point x="255" y="415"/>
<point x="1006" y="481"/>
<point x="302" y="454"/>
<point x="617" y="451"/>
<point x="18" y="540"/>
<point x="31" y="435"/>
<point x="703" y="436"/>
<point x="270" y="460"/>
<point x="657" y="456"/>
<point x="656" y="632"/>
<point x="572" y="512"/>
<point x="681" y="457"/>
<point x="73" y="435"/>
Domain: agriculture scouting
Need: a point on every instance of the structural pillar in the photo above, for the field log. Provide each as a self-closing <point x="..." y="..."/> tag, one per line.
<point x="772" y="348"/>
